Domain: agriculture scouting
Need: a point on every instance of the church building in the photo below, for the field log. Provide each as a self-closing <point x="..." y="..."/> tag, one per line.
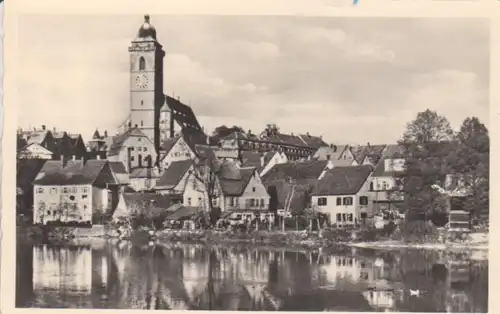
<point x="157" y="116"/>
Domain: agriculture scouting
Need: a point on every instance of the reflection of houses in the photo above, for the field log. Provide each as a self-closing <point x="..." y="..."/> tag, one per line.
<point x="343" y="193"/>
<point x="66" y="270"/>
<point x="74" y="191"/>
<point x="380" y="299"/>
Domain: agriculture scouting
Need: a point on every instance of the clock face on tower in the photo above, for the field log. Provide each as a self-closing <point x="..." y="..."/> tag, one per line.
<point x="141" y="81"/>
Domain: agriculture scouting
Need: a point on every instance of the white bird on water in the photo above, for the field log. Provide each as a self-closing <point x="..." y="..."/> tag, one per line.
<point x="414" y="292"/>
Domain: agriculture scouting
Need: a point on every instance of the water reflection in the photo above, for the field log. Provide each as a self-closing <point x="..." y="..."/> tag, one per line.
<point x="191" y="276"/>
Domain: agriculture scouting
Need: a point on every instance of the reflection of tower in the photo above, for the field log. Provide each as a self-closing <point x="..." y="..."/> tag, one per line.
<point x="146" y="82"/>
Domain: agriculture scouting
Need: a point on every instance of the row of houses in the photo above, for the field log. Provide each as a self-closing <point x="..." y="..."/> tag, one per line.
<point x="348" y="184"/>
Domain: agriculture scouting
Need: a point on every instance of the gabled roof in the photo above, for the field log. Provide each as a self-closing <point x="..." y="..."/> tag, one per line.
<point x="182" y="114"/>
<point x="119" y="140"/>
<point x="173" y="174"/>
<point x="250" y="159"/>
<point x="37" y="136"/>
<point x="342" y="180"/>
<point x="333" y="151"/>
<point x="169" y="143"/>
<point x="287" y="139"/>
<point x="313" y="141"/>
<point x="391" y="151"/>
<point x="74" y="173"/>
<point x="310" y="169"/>
<point x="372" y="152"/>
<point x="26" y="148"/>
<point x="120" y="172"/>
<point x="234" y="181"/>
<point x="28" y="169"/>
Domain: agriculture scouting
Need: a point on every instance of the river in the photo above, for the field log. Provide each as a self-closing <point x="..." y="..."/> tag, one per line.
<point x="105" y="275"/>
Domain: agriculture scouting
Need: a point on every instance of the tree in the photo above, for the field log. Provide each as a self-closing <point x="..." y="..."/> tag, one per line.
<point x="471" y="164"/>
<point x="425" y="146"/>
<point x="205" y="171"/>
<point x="223" y="131"/>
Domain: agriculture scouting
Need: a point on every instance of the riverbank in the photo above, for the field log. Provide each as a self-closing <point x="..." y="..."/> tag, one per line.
<point x="293" y="239"/>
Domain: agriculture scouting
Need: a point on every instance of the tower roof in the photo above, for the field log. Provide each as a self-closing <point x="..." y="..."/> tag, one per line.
<point x="147" y="30"/>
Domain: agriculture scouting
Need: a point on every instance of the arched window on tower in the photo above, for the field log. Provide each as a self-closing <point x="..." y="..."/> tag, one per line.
<point x="142" y="63"/>
<point x="142" y="123"/>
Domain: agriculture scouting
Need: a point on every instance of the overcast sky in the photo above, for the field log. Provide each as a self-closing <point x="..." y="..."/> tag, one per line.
<point x="352" y="80"/>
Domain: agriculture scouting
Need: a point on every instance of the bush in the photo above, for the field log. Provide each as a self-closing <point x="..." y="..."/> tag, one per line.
<point x="417" y="232"/>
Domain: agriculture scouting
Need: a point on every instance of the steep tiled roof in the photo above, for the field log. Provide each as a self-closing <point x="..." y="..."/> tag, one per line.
<point x="173" y="174"/>
<point x="120" y="172"/>
<point x="182" y="113"/>
<point x="37" y="137"/>
<point x="250" y="159"/>
<point x="286" y="139"/>
<point x="313" y="141"/>
<point x="234" y="180"/>
<point x="373" y="152"/>
<point x="120" y="139"/>
<point x="267" y="157"/>
<point x="391" y="151"/>
<point x="343" y="180"/>
<point x="333" y="151"/>
<point x="310" y="169"/>
<point x="73" y="173"/>
<point x="169" y="143"/>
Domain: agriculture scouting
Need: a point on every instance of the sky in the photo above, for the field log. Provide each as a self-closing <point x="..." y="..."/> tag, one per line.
<point x="350" y="80"/>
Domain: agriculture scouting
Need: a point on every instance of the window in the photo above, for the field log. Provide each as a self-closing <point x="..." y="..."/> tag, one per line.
<point x="142" y="63"/>
<point x="253" y="189"/>
<point x="363" y="215"/>
<point x="139" y="148"/>
<point x="139" y="139"/>
<point x="65" y="190"/>
<point x="363" y="200"/>
<point x="237" y="202"/>
<point x="349" y="217"/>
<point x="72" y="197"/>
<point x="339" y="201"/>
<point x="322" y="201"/>
<point x="39" y="190"/>
<point x="347" y="201"/>
<point x="145" y="149"/>
<point x="142" y="123"/>
<point x="84" y="196"/>
<point x="199" y="200"/>
<point x="339" y="217"/>
<point x="142" y="102"/>
<point x="189" y="201"/>
<point x="328" y="157"/>
<point x="132" y="158"/>
<point x="371" y="186"/>
<point x="85" y="190"/>
<point x="252" y="202"/>
<point x="231" y="201"/>
<point x="262" y="202"/>
<point x="343" y="217"/>
<point x="385" y="186"/>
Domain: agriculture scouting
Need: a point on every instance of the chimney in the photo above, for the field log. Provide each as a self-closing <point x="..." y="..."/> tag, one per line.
<point x="105" y="133"/>
<point x="44" y="127"/>
<point x="368" y="144"/>
<point x="309" y="135"/>
<point x="291" y="134"/>
<point x="73" y="157"/>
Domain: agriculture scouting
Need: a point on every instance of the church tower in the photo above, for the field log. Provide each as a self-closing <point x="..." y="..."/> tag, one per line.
<point x="146" y="82"/>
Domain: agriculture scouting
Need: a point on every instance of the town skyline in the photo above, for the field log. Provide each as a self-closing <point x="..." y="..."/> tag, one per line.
<point x="225" y="67"/>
